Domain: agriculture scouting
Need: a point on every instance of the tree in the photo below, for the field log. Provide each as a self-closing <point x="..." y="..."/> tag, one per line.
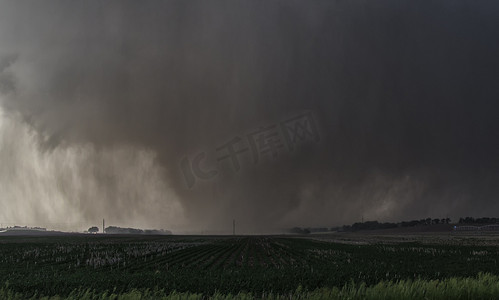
<point x="94" y="229"/>
<point x="298" y="230"/>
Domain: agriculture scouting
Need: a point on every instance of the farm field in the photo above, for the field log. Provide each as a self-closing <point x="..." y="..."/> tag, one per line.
<point x="429" y="238"/>
<point x="202" y="265"/>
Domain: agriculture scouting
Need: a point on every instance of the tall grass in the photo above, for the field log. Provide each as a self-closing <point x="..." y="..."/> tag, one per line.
<point x="484" y="286"/>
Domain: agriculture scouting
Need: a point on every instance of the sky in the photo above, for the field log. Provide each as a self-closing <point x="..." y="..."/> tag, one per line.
<point x="186" y="115"/>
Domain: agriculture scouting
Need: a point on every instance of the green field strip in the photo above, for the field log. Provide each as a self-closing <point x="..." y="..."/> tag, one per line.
<point x="220" y="257"/>
<point x="167" y="259"/>
<point x="222" y="262"/>
<point x="186" y="255"/>
<point x="299" y="256"/>
<point x="259" y="256"/>
<point x="193" y="260"/>
<point x="252" y="260"/>
<point x="171" y="261"/>
<point x="232" y="261"/>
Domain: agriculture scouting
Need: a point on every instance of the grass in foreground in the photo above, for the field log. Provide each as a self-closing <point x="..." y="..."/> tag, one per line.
<point x="484" y="286"/>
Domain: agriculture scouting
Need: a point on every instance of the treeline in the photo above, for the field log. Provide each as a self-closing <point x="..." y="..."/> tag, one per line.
<point x="298" y="230"/>
<point x="485" y="220"/>
<point x="373" y="225"/>
<point x="120" y="230"/>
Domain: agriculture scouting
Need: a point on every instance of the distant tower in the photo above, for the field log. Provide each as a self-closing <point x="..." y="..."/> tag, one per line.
<point x="103" y="226"/>
<point x="233" y="227"/>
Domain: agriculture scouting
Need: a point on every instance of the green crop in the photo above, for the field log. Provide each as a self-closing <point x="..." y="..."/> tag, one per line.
<point x="120" y="265"/>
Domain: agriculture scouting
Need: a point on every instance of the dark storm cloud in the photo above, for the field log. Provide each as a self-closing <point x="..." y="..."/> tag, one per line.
<point x="405" y="94"/>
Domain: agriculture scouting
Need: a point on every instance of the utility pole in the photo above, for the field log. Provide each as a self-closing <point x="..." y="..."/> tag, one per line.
<point x="103" y="226"/>
<point x="234" y="227"/>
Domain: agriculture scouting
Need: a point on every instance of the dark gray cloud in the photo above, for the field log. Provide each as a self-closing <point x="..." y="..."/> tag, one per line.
<point x="404" y="92"/>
